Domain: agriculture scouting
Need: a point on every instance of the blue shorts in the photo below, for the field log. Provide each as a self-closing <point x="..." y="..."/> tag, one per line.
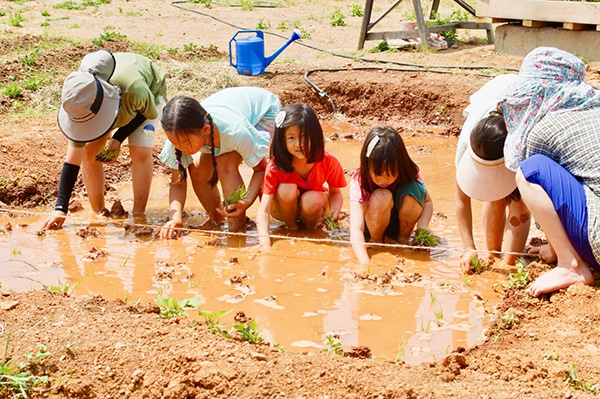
<point x="568" y="198"/>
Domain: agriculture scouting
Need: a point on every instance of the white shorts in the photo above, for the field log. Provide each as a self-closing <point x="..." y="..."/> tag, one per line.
<point x="144" y="137"/>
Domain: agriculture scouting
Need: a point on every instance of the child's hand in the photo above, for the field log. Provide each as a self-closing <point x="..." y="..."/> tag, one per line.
<point x="233" y="210"/>
<point x="110" y="153"/>
<point x="465" y="260"/>
<point x="170" y="231"/>
<point x="55" y="221"/>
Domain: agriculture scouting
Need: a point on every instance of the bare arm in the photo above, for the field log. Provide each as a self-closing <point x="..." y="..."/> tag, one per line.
<point x="177" y="196"/>
<point x="263" y="219"/>
<point x="426" y="214"/>
<point x="336" y="200"/>
<point x="464" y="218"/>
<point x="235" y="210"/>
<point x="357" y="232"/>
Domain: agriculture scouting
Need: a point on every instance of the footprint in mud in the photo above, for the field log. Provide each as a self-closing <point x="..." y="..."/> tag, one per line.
<point x="270" y="302"/>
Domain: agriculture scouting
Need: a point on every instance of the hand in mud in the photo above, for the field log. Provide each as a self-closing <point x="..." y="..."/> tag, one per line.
<point x="171" y="230"/>
<point x="110" y="153"/>
<point x="546" y="253"/>
<point x="55" y="221"/>
<point x="233" y="210"/>
<point x="465" y="260"/>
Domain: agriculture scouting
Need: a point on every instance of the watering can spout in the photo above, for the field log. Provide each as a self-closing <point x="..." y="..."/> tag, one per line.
<point x="295" y="36"/>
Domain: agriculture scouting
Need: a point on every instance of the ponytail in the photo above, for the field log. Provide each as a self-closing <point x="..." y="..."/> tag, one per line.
<point x="215" y="175"/>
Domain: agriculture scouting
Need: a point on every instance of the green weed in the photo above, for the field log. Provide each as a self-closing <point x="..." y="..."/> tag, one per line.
<point x="247" y="5"/>
<point x="263" y="25"/>
<point x="457" y="15"/>
<point x="356" y="10"/>
<point x="247" y="331"/>
<point x="62" y="287"/>
<point x="172" y="50"/>
<point x="576" y="383"/>
<point x="190" y="47"/>
<point x="16" y="19"/>
<point x="2" y="13"/>
<point x="282" y="25"/>
<point x="439" y="314"/>
<point x="333" y="345"/>
<point x="170" y="307"/>
<point x="552" y="356"/>
<point x="337" y="18"/>
<point x="381" y="47"/>
<point x="207" y="3"/>
<point x="72" y="5"/>
<point x="45" y="13"/>
<point x="401" y="352"/>
<point x="424" y="238"/>
<point x="213" y="321"/>
<point x="12" y="91"/>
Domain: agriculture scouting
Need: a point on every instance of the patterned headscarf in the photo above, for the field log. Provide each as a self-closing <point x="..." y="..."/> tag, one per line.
<point x="550" y="80"/>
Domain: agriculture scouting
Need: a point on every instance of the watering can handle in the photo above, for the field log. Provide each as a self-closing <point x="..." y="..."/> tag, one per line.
<point x="258" y="32"/>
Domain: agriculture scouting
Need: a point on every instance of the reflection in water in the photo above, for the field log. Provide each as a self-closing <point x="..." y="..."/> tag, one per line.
<point x="298" y="293"/>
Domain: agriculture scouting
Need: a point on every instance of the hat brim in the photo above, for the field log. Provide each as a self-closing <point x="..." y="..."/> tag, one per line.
<point x="484" y="182"/>
<point x="96" y="127"/>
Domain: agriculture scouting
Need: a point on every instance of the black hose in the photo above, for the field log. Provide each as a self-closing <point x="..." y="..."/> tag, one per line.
<point x="322" y="93"/>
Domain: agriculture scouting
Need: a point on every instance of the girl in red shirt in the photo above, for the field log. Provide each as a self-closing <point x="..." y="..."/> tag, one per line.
<point x="293" y="189"/>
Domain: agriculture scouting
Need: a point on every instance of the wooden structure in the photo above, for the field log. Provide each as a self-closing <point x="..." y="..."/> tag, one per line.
<point x="422" y="30"/>
<point x="572" y="15"/>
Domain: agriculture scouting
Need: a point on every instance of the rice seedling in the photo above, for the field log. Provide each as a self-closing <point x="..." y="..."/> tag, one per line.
<point x="520" y="279"/>
<point x="424" y="238"/>
<point x="401" y="352"/>
<point x="476" y="265"/>
<point x="106" y="156"/>
<point x="439" y="314"/>
<point x="236" y="196"/>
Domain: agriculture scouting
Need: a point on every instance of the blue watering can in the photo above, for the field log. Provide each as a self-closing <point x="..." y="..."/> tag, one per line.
<point x="250" y="52"/>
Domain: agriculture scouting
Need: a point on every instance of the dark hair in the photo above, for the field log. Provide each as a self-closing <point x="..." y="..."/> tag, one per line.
<point x="185" y="115"/>
<point x="487" y="142"/>
<point x="313" y="146"/>
<point x="488" y="137"/>
<point x="389" y="155"/>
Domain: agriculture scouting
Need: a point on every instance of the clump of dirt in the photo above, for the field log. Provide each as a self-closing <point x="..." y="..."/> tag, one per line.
<point x="117" y="211"/>
<point x="87" y="232"/>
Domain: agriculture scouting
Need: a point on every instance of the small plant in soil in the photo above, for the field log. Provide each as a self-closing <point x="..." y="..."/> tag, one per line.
<point x="62" y="288"/>
<point x="476" y="265"/>
<point x="424" y="238"/>
<point x="337" y="18"/>
<point x="213" y="321"/>
<point x="106" y="156"/>
<point x="236" y="196"/>
<point x="333" y="345"/>
<point x="331" y="225"/>
<point x="552" y="356"/>
<point x="401" y="352"/>
<point x="170" y="307"/>
<point x="521" y="278"/>
<point x="357" y="10"/>
<point x="439" y="314"/>
<point x="575" y="382"/>
<point x="247" y="331"/>
<point x="16" y="378"/>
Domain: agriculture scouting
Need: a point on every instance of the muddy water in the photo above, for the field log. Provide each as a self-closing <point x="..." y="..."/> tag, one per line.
<point x="298" y="293"/>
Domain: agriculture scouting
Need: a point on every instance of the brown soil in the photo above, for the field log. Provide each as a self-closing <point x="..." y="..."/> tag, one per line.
<point x="110" y="349"/>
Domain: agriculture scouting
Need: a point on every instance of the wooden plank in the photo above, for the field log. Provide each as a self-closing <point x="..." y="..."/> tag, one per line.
<point x="534" y="24"/>
<point x="540" y="10"/>
<point x="572" y="26"/>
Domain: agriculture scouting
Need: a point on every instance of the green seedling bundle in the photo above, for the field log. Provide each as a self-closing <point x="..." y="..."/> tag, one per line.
<point x="106" y="156"/>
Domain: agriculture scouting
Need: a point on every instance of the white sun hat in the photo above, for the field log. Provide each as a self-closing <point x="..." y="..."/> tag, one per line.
<point x="90" y="107"/>
<point x="484" y="180"/>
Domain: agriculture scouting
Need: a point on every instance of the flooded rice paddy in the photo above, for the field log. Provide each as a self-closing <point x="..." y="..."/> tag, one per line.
<point x="410" y="304"/>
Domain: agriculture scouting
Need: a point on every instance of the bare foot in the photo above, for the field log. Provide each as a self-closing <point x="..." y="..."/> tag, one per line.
<point x="546" y="253"/>
<point x="561" y="277"/>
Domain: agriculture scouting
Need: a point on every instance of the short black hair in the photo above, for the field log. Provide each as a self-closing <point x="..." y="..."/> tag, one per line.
<point x="314" y="144"/>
